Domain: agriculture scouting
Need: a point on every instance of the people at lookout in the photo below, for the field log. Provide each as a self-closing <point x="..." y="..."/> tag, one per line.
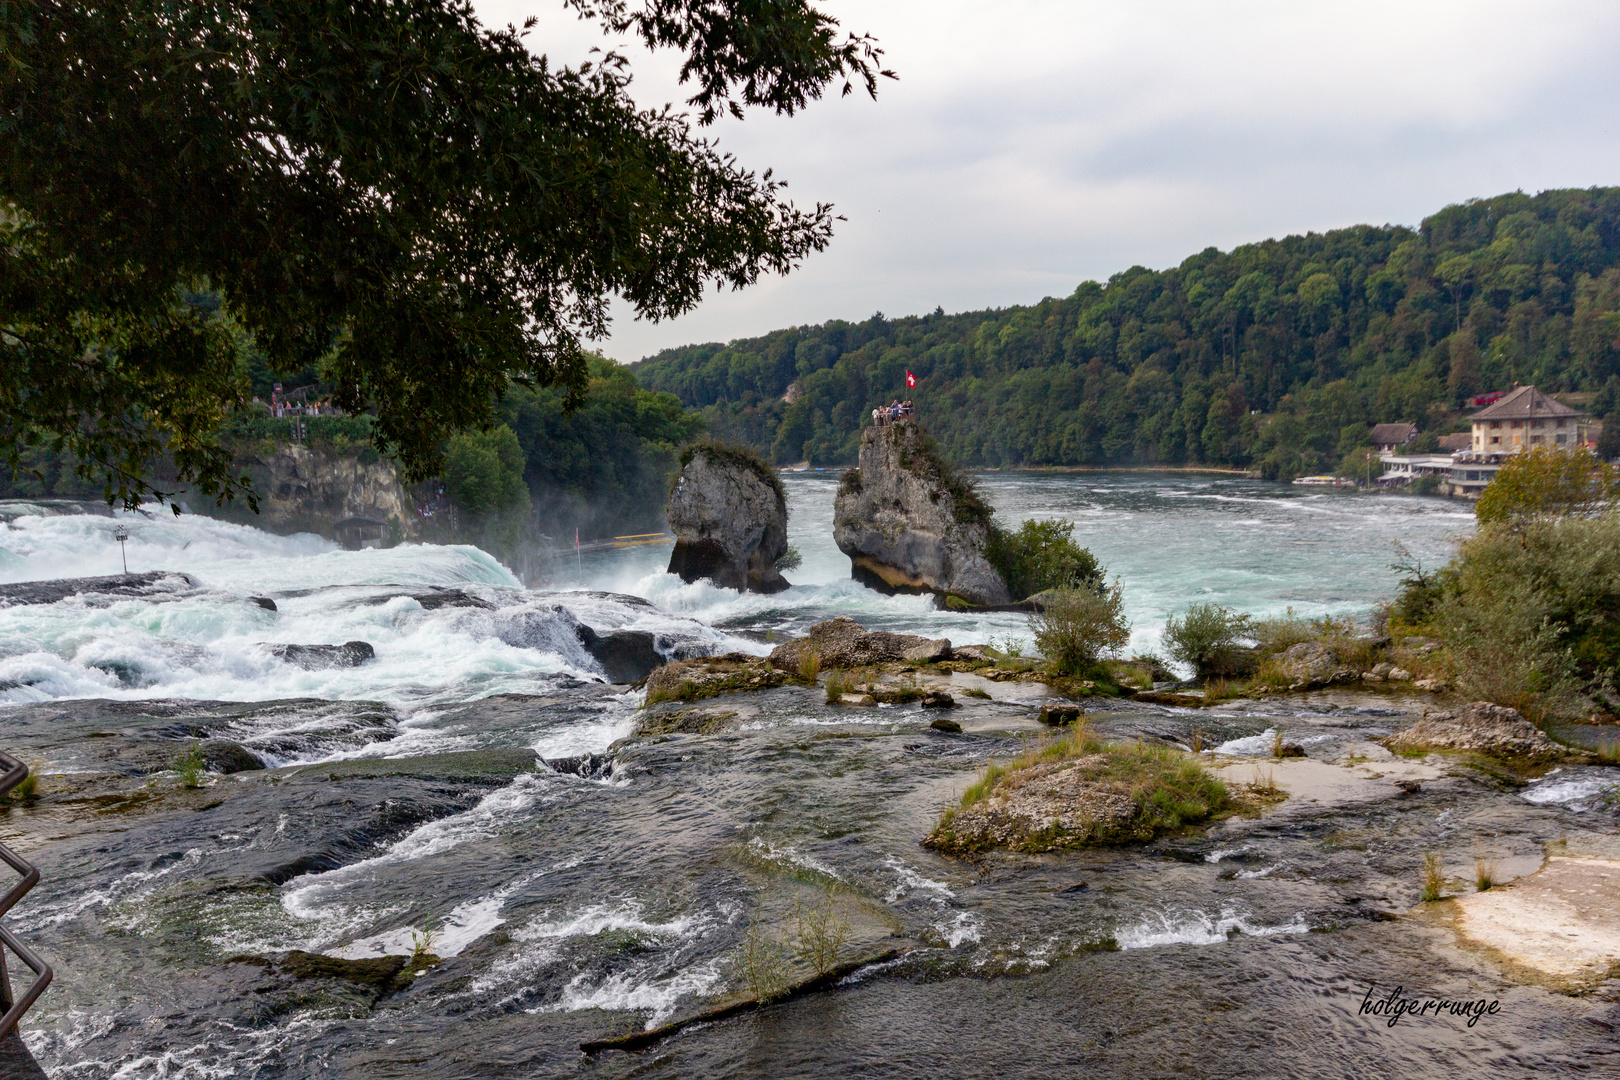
<point x="888" y="414"/>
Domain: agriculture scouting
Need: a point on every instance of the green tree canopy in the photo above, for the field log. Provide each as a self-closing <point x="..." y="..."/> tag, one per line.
<point x="413" y="203"/>
<point x="1545" y="482"/>
<point x="483" y="471"/>
<point x="1259" y="357"/>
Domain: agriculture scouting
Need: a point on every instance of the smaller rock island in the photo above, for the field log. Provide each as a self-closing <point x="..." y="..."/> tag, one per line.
<point x="729" y="516"/>
<point x="911" y="524"/>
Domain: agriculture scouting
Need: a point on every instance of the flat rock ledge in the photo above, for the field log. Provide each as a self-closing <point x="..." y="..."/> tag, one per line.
<point x="1560" y="922"/>
<point x="845" y="643"/>
<point x="1482" y="728"/>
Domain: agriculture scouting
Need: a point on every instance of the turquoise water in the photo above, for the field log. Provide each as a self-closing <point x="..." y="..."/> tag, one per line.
<point x="1171" y="539"/>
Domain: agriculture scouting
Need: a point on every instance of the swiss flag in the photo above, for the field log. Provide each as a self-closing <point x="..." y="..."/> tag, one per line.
<point x="911" y="380"/>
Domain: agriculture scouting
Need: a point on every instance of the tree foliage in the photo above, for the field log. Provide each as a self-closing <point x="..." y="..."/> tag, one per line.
<point x="393" y="194"/>
<point x="483" y="471"/>
<point x="1042" y="555"/>
<point x="1546" y="482"/>
<point x="1076" y="628"/>
<point x="1276" y="356"/>
<point x="1207" y="638"/>
<point x="605" y="467"/>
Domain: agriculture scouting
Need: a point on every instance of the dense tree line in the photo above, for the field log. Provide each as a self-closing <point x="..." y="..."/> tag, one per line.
<point x="1277" y="355"/>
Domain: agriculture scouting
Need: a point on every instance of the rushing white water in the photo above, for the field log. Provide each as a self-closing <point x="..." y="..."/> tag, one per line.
<point x="210" y="642"/>
<point x="1168" y="926"/>
<point x="1171" y="541"/>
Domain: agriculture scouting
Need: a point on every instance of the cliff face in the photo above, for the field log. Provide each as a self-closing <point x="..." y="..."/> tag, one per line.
<point x="730" y="523"/>
<point x="307" y="490"/>
<point x="907" y="528"/>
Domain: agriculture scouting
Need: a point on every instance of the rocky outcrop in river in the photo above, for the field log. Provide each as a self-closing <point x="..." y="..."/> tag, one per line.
<point x="909" y="524"/>
<point x="729" y="516"/>
<point x="1481" y="727"/>
<point x="844" y="643"/>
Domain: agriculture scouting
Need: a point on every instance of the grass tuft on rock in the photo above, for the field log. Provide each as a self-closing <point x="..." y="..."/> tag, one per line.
<point x="1075" y="791"/>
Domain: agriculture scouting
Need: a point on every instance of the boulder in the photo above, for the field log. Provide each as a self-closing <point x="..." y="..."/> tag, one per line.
<point x="1480" y="727"/>
<point x="729" y="516"/>
<point x="224" y="756"/>
<point x="938" y="699"/>
<point x="946" y="725"/>
<point x="844" y="643"/>
<point x="626" y="656"/>
<point x="909" y="524"/>
<point x="1042" y="807"/>
<point x="1310" y="663"/>
<point x="321" y="657"/>
<point x="1057" y="714"/>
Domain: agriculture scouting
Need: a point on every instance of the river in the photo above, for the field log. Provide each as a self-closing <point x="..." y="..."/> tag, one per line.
<point x="616" y="891"/>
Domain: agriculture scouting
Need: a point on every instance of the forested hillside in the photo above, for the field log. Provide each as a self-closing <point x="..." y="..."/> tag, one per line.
<point x="1276" y="355"/>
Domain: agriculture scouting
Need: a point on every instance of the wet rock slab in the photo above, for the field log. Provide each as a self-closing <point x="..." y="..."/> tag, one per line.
<point x="145" y="586"/>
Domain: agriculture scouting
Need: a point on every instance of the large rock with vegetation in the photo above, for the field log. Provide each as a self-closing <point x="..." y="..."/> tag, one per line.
<point x="1078" y="792"/>
<point x="1482" y="728"/>
<point x="844" y="643"/>
<point x="729" y="516"/>
<point x="910" y="523"/>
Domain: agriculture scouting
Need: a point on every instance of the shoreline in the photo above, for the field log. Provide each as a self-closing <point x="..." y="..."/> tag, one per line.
<point x="1208" y="470"/>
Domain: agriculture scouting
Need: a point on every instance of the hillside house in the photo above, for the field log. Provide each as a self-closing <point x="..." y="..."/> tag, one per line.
<point x="1518" y="421"/>
<point x="1389" y="438"/>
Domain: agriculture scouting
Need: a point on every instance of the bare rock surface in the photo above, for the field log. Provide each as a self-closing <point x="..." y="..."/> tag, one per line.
<point x="322" y="657"/>
<point x="907" y="528"/>
<point x="729" y="517"/>
<point x="844" y="643"/>
<point x="1480" y="727"/>
<point x="1562" y="921"/>
<point x="1310" y="663"/>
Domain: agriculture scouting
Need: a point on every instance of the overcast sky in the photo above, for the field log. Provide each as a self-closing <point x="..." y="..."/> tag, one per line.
<point x="1029" y="146"/>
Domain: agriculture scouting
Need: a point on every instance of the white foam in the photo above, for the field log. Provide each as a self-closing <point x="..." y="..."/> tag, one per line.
<point x="637" y="991"/>
<point x="1222" y="853"/>
<point x="540" y="940"/>
<point x="1577" y="795"/>
<point x="788" y="855"/>
<point x="316" y="896"/>
<point x="1251" y="746"/>
<point x="1166" y="926"/>
<point x="912" y="881"/>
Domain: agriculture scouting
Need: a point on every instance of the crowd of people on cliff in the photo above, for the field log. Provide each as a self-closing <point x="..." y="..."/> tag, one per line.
<point x="888" y="414"/>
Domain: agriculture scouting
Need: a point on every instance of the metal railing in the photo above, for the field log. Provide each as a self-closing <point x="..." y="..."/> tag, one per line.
<point x="15" y="773"/>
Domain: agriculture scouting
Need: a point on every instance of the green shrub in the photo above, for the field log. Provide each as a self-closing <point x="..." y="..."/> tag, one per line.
<point x="1546" y="483"/>
<point x="1528" y="616"/>
<point x="1280" y="633"/>
<point x="1042" y="555"/>
<point x="1077" y="627"/>
<point x="1207" y="637"/>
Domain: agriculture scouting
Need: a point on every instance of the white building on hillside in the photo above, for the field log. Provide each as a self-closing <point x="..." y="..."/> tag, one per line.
<point x="1517" y="422"/>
